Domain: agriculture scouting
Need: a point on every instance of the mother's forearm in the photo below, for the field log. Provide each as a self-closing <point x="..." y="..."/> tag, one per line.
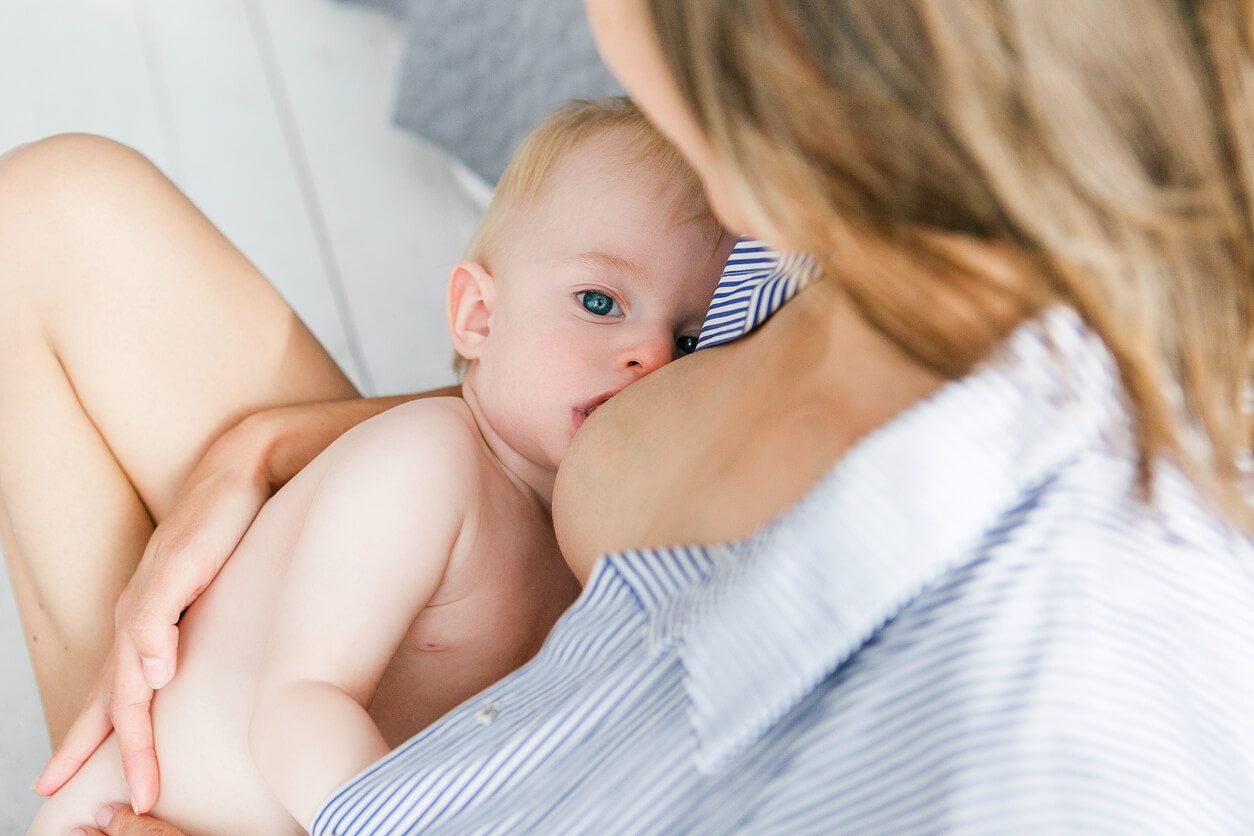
<point x="289" y="437"/>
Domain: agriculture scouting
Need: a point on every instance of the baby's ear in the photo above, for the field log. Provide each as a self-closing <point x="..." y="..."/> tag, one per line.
<point x="471" y="295"/>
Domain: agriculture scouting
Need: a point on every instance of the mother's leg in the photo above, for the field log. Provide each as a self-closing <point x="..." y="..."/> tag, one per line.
<point x="131" y="334"/>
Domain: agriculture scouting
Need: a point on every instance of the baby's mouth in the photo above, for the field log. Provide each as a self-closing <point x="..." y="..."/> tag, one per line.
<point x="581" y="413"/>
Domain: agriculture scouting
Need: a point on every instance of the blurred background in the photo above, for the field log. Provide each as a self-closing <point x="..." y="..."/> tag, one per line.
<point x="346" y="148"/>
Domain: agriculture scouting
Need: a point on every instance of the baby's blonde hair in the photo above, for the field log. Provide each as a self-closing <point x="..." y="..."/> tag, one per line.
<point x="543" y="150"/>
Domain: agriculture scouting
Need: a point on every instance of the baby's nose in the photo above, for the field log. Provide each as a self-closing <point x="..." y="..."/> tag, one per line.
<point x="649" y="354"/>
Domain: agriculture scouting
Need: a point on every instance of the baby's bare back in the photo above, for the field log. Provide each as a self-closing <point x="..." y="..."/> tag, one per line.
<point x="489" y="615"/>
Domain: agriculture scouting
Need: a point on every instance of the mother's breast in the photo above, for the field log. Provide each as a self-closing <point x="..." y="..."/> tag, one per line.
<point x="676" y="458"/>
<point x="712" y="447"/>
<point x="624" y="461"/>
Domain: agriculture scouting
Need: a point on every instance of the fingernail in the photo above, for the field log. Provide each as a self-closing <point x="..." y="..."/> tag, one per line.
<point x="78" y="831"/>
<point x="155" y="672"/>
<point x="105" y="815"/>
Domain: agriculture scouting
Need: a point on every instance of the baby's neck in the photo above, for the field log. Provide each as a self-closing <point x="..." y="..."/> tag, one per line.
<point x="528" y="476"/>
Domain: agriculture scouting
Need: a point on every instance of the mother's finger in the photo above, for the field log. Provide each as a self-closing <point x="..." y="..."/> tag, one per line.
<point x="132" y="722"/>
<point x="117" y="820"/>
<point x="186" y="552"/>
<point x="89" y="729"/>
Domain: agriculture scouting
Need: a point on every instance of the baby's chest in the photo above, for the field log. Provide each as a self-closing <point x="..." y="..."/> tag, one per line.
<point x="482" y="624"/>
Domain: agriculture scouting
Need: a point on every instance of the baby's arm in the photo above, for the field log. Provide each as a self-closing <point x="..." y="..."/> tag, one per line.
<point x="379" y="534"/>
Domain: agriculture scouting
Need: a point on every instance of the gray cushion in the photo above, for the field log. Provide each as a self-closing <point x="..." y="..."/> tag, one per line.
<point x="478" y="74"/>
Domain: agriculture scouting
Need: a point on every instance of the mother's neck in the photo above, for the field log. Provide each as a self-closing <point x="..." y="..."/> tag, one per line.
<point x="840" y="360"/>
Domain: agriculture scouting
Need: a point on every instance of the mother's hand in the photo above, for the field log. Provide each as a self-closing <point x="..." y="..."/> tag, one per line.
<point x="116" y="820"/>
<point x="217" y="504"/>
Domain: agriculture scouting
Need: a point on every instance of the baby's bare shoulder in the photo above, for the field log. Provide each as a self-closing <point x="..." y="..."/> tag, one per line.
<point x="427" y="439"/>
<point x="441" y="415"/>
<point x="418" y="426"/>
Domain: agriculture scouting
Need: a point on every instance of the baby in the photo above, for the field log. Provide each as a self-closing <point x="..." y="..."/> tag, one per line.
<point x="413" y="563"/>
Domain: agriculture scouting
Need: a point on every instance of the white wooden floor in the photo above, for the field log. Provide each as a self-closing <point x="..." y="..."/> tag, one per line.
<point x="274" y="116"/>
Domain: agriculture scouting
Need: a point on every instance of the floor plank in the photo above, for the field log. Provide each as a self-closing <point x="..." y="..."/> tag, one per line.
<point x="68" y="65"/>
<point x="233" y="153"/>
<point x="395" y="216"/>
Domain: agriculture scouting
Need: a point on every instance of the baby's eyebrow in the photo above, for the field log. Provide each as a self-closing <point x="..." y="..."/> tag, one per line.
<point x="600" y="258"/>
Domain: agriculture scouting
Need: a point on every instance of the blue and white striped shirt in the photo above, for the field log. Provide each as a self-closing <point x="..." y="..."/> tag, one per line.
<point x="969" y="624"/>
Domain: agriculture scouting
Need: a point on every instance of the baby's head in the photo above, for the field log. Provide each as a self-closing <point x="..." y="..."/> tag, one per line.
<point x="593" y="266"/>
<point x="628" y="139"/>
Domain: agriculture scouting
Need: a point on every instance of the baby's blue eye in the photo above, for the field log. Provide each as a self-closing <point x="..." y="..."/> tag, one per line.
<point x="686" y="345"/>
<point x="599" y="304"/>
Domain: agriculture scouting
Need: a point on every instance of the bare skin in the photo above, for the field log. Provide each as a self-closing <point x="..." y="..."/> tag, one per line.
<point x="443" y="658"/>
<point x="647" y="420"/>
<point x="502" y="589"/>
<point x="118" y="820"/>
<point x="132" y="334"/>
<point x="148" y="377"/>
<point x="639" y="452"/>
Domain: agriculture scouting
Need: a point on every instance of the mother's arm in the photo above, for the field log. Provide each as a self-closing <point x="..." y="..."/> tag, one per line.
<point x="216" y="505"/>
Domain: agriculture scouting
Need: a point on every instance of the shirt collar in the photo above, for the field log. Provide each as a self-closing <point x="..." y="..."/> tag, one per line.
<point x="759" y="624"/>
<point x="756" y="282"/>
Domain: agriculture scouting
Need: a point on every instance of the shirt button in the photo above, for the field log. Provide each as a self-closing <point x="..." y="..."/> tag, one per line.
<point x="487" y="714"/>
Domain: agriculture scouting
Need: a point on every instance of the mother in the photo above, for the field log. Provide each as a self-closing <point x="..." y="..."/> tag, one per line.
<point x="987" y="567"/>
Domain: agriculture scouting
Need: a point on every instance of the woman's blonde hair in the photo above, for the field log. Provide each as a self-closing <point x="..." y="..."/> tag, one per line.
<point x="1108" y="144"/>
<point x="542" y="151"/>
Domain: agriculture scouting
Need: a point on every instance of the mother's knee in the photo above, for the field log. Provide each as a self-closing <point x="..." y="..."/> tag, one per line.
<point x="61" y="195"/>
<point x="64" y="162"/>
